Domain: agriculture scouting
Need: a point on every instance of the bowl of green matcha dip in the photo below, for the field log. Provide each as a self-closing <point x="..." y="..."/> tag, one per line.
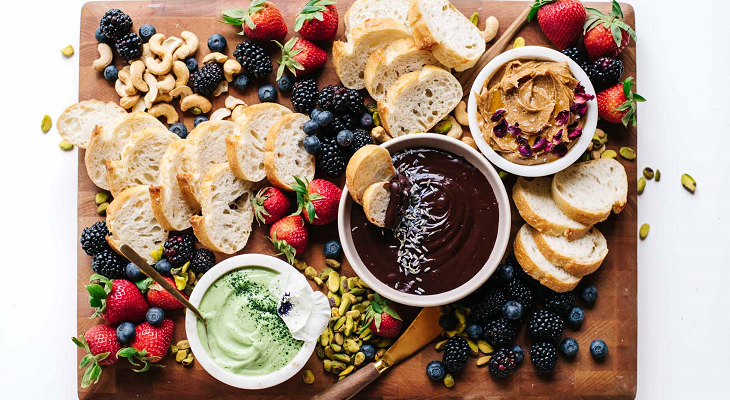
<point x="247" y="343"/>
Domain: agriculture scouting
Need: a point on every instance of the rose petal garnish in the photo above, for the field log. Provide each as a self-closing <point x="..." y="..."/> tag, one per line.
<point x="515" y="129"/>
<point x="575" y="134"/>
<point x="498" y="114"/>
<point x="500" y="129"/>
<point x="525" y="150"/>
<point x="562" y="117"/>
<point x="560" y="150"/>
<point x="579" y="88"/>
<point x="579" y="109"/>
<point x="549" y="147"/>
<point x="520" y="140"/>
<point x="539" y="143"/>
<point x="558" y="135"/>
<point x="581" y="98"/>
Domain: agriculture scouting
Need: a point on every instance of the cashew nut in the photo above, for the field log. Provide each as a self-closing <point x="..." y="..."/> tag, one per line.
<point x="596" y="154"/>
<point x="136" y="71"/>
<point x="126" y="79"/>
<point x="491" y="26"/>
<point x="230" y="68"/>
<point x="140" y="106"/>
<point x="196" y="103"/>
<point x="171" y="44"/>
<point x="231" y="102"/>
<point x="237" y="111"/>
<point x="155" y="43"/>
<point x="163" y="98"/>
<point x="128" y="102"/>
<point x="220" y="114"/>
<point x="166" y="84"/>
<point x="217" y="57"/>
<point x="380" y="135"/>
<point x="105" y="57"/>
<point x="164" y="110"/>
<point x="182" y="73"/>
<point x="187" y="49"/>
<point x="159" y="67"/>
<point x="470" y="142"/>
<point x="181" y="91"/>
<point x="121" y="88"/>
<point x="150" y="97"/>
<point x="146" y="52"/>
<point x="456" y="131"/>
<point x="222" y="88"/>
<point x="460" y="113"/>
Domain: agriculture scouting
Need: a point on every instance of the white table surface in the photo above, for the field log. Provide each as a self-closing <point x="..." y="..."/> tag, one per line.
<point x="684" y="273"/>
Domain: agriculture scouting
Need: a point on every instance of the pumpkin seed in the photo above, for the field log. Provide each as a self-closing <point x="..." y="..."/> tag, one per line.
<point x="644" y="231"/>
<point x="46" y="123"/>
<point x="627" y="153"/>
<point x="308" y="377"/>
<point x="689" y="183"/>
<point x="648" y="173"/>
<point x="640" y="185"/>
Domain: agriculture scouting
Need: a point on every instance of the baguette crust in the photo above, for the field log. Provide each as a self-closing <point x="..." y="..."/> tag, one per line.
<point x="166" y="196"/>
<point x="75" y="121"/>
<point x="532" y="269"/>
<point x="376" y="199"/>
<point x="205" y="147"/>
<point x="287" y="127"/>
<point x="569" y="264"/>
<point x="399" y="12"/>
<point x="187" y="188"/>
<point x="370" y="164"/>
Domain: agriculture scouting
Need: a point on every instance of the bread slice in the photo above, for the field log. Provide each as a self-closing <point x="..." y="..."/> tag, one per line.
<point x="536" y="206"/>
<point x="140" y="160"/>
<point x="389" y="63"/>
<point x="285" y="156"/>
<point x="587" y="192"/>
<point x="362" y="10"/>
<point x="439" y="26"/>
<point x="245" y="148"/>
<point x="369" y="165"/>
<point x="130" y="221"/>
<point x="579" y="257"/>
<point x="77" y="122"/>
<point x="206" y="147"/>
<point x="170" y="208"/>
<point x="227" y="211"/>
<point x="350" y="58"/>
<point x="375" y="202"/>
<point x="538" y="267"/>
<point x="419" y="100"/>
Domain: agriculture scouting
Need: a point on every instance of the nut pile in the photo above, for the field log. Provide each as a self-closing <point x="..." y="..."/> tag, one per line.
<point x="181" y="352"/>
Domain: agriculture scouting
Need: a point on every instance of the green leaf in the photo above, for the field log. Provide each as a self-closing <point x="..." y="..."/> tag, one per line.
<point x="627" y="87"/>
<point x="81" y="343"/>
<point x="96" y="291"/>
<point x="144" y="284"/>
<point x="315" y="196"/>
<point x="639" y="98"/>
<point x="627" y="118"/>
<point x="617" y="35"/>
<point x="624" y="106"/>
<point x="536" y="7"/>
<point x="101" y="356"/>
<point x="616" y="9"/>
<point x="86" y="378"/>
<point x="95" y="373"/>
<point x="127" y="352"/>
<point x="318" y="16"/>
<point x="298" y="24"/>
<point x="95" y="302"/>
<point x="377" y="321"/>
<point x="392" y="313"/>
<point x="231" y="21"/>
<point x="236" y="13"/>
<point x="86" y="360"/>
<point x="311" y="214"/>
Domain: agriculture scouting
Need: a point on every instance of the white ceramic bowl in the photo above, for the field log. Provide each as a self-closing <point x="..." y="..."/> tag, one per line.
<point x="539" y="53"/>
<point x="458" y="148"/>
<point x="201" y="355"/>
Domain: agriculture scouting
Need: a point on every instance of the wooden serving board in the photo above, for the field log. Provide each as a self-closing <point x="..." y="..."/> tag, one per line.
<point x="613" y="318"/>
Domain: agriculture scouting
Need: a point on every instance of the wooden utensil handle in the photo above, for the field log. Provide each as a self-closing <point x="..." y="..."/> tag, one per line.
<point x="350" y="386"/>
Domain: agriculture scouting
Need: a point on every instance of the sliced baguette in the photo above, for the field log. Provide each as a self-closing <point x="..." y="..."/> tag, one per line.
<point x="419" y="100"/>
<point x="538" y="267"/>
<point x="389" y="63"/>
<point x="375" y="202"/>
<point x="587" y="192"/>
<point x="369" y="165"/>
<point x="227" y="211"/>
<point x="130" y="221"/>
<point x="439" y="26"/>
<point x="285" y="156"/>
<point x="170" y="208"/>
<point x="362" y="10"/>
<point x="245" y="148"/>
<point x="77" y="122"/>
<point x="535" y="203"/>
<point x="350" y="58"/>
<point x="579" y="257"/>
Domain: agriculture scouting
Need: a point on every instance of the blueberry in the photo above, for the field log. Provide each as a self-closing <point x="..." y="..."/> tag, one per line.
<point x="447" y="322"/>
<point x="435" y="370"/>
<point x="575" y="317"/>
<point x="163" y="267"/>
<point x="100" y="37"/>
<point x="285" y="83"/>
<point x="110" y="73"/>
<point x="333" y="249"/>
<point x="267" y="94"/>
<point x="366" y="120"/>
<point x="217" y="43"/>
<point x="179" y="129"/>
<point x="325" y="118"/>
<point x="146" y="31"/>
<point x="474" y="331"/>
<point x="369" y="351"/>
<point x="155" y="315"/>
<point x="134" y="273"/>
<point x="599" y="348"/>
<point x="569" y="347"/>
<point x="191" y="63"/>
<point x="125" y="333"/>
<point x="506" y="273"/>
<point x="199" y="119"/>
<point x="345" y="137"/>
<point x="311" y="144"/>
<point x="315" y="113"/>
<point x="241" y="81"/>
<point x="512" y="310"/>
<point x="519" y="352"/>
<point x="311" y="127"/>
<point x="589" y="294"/>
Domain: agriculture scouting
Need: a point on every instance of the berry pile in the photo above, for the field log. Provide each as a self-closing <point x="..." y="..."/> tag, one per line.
<point x="603" y="72"/>
<point x="114" y="29"/>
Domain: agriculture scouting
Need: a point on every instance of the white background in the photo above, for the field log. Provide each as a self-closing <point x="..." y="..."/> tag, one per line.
<point x="683" y="297"/>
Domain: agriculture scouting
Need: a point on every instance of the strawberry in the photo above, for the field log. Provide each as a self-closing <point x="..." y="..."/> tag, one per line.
<point x="382" y="319"/>
<point x="318" y="20"/>
<point x="270" y="204"/>
<point x="318" y="200"/>
<point x="101" y="345"/>
<point x="561" y="21"/>
<point x="159" y="297"/>
<point x="290" y="236"/>
<point x="618" y="103"/>
<point x="261" y="21"/>
<point x="116" y="301"/>
<point x="150" y="344"/>
<point x="606" y="35"/>
<point x="300" y="56"/>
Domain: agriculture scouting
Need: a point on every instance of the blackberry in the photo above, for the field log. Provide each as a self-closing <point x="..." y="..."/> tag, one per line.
<point x="576" y="56"/>
<point x="606" y="71"/>
<point x="490" y="307"/>
<point x="331" y="160"/>
<point x="516" y="290"/>
<point x="254" y="59"/>
<point x="325" y="99"/>
<point x="500" y="332"/>
<point x="206" y="79"/>
<point x="502" y="363"/>
<point x="546" y="325"/>
<point x="362" y="138"/>
<point x="304" y="96"/>
<point x="129" y="46"/>
<point x="93" y="238"/>
<point x="202" y="261"/>
<point x="109" y="264"/>
<point x="115" y="24"/>
<point x="560" y="303"/>
<point x="544" y="356"/>
<point x="456" y="353"/>
<point x="339" y="123"/>
<point x="347" y="101"/>
<point x="179" y="249"/>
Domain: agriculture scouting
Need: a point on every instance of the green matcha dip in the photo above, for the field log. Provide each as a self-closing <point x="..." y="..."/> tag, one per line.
<point x="245" y="334"/>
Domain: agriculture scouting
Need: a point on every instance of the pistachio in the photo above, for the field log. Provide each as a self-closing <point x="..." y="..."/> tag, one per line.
<point x="310" y="272"/>
<point x="485" y="347"/>
<point x="318" y="280"/>
<point x="68" y="51"/>
<point x="188" y="361"/>
<point x="157" y="254"/>
<point x="519" y="42"/>
<point x="336" y="347"/>
<point x="349" y="325"/>
<point x="351" y="346"/>
<point x="365" y="333"/>
<point x="345" y="304"/>
<point x="359" y="307"/>
<point x="355" y="314"/>
<point x="367" y="337"/>
<point x="359" y="358"/>
<point x="180" y="356"/>
<point x="337" y="367"/>
<point x="46" y="123"/>
<point x="327" y="365"/>
<point x="689" y="183"/>
<point x="183" y="344"/>
<point x="332" y="263"/>
<point x="442" y="127"/>
<point x="644" y="231"/>
<point x="648" y="173"/>
<point x="347" y="371"/>
<point x="65" y="145"/>
<point x="181" y="281"/>
<point x="440" y="345"/>
<point x="343" y="284"/>
<point x="300" y="264"/>
<point x="474" y="349"/>
<point x="329" y="353"/>
<point x="385" y="342"/>
<point x="352" y="285"/>
<point x="448" y="379"/>
<point x="376" y="119"/>
<point x="333" y="282"/>
<point x="319" y="350"/>
<point x="609" y="154"/>
<point x="340" y="324"/>
<point x="596" y="152"/>
<point x="308" y="376"/>
<point x="587" y="155"/>
<point x="481" y="361"/>
<point x="339" y="338"/>
<point x="342" y="358"/>
<point x="357" y="292"/>
<point x="627" y="153"/>
<point x="657" y="175"/>
<point x="101" y="197"/>
<point x="640" y="185"/>
<point x="173" y="349"/>
<point x="596" y="140"/>
<point x="460" y="316"/>
<point x="379" y="354"/>
<point x="101" y="210"/>
<point x="334" y="297"/>
<point x="362" y="283"/>
<point x="325" y="273"/>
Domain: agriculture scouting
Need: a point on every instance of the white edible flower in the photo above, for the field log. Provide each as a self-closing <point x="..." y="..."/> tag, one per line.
<point x="306" y="312"/>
